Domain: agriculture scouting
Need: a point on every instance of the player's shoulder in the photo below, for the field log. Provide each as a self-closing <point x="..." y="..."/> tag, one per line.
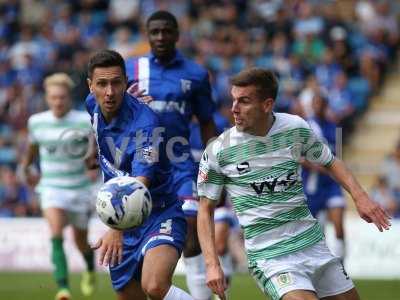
<point x="222" y="141"/>
<point x="193" y="68"/>
<point x="143" y="115"/>
<point x="43" y="116"/>
<point x="79" y="115"/>
<point x="289" y="121"/>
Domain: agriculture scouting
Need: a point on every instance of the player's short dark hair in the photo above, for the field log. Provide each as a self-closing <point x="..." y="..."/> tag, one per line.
<point x="264" y="80"/>
<point x="104" y="59"/>
<point x="163" y="15"/>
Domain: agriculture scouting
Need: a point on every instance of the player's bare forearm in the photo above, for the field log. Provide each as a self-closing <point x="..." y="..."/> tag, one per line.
<point x="343" y="175"/>
<point x="368" y="210"/>
<point x="31" y="154"/>
<point x="206" y="231"/>
<point x="24" y="170"/>
<point x="208" y="131"/>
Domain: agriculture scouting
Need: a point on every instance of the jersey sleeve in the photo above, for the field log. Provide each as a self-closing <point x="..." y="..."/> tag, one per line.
<point x="203" y="104"/>
<point x="210" y="180"/>
<point x="314" y="149"/>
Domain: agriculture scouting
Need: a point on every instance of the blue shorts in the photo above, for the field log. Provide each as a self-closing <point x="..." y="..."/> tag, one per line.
<point x="328" y="197"/>
<point x="163" y="227"/>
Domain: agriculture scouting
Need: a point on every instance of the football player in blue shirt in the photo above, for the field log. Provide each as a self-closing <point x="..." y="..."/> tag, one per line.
<point x="177" y="88"/>
<point x="142" y="260"/>
<point x="324" y="195"/>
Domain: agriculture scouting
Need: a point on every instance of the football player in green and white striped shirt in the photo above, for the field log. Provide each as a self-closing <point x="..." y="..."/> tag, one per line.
<point x="60" y="139"/>
<point x="257" y="162"/>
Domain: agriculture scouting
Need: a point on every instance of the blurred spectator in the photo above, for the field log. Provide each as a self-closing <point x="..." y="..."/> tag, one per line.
<point x="382" y="194"/>
<point x="390" y="171"/>
<point x="14" y="197"/>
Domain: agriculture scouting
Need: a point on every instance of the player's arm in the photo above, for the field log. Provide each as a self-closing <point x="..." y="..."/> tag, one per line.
<point x="314" y="167"/>
<point x="206" y="233"/>
<point x="315" y="151"/>
<point x="31" y="154"/>
<point x="208" y="130"/>
<point x="369" y="210"/>
<point x="203" y="109"/>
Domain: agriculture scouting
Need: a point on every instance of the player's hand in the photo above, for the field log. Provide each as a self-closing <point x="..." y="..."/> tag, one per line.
<point x="372" y="212"/>
<point x="216" y="281"/>
<point x="139" y="94"/>
<point x="110" y="247"/>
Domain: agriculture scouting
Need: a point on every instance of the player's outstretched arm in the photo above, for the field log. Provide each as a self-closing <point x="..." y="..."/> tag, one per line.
<point x="205" y="228"/>
<point x="369" y="210"/>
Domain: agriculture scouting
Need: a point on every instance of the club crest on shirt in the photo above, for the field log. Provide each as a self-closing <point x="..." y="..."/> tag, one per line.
<point x="284" y="279"/>
<point x="186" y="85"/>
<point x="148" y="154"/>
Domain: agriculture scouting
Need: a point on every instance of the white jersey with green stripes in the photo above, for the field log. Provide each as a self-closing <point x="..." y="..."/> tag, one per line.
<point x="63" y="143"/>
<point x="262" y="177"/>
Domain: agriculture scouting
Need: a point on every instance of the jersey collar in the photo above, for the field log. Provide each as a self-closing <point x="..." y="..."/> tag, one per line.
<point x="178" y="58"/>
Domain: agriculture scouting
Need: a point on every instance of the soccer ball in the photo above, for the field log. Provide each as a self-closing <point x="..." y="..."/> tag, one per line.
<point x="123" y="202"/>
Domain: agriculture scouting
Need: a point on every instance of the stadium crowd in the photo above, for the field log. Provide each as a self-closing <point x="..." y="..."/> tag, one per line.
<point x="338" y="49"/>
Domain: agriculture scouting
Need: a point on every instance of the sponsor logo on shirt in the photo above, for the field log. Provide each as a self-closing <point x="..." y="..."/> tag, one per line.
<point x="275" y="184"/>
<point x="243" y="167"/>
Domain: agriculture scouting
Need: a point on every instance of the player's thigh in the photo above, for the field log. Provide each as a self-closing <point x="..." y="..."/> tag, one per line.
<point x="192" y="245"/>
<point x="158" y="267"/>
<point x="300" y="295"/>
<point x="56" y="218"/>
<point x="132" y="290"/>
<point x="221" y="237"/>
<point x="80" y="237"/>
<point x="332" y="279"/>
<point x="335" y="215"/>
<point x="349" y="295"/>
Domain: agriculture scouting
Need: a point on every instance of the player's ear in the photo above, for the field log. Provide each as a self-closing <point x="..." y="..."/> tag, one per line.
<point x="268" y="104"/>
<point x="89" y="82"/>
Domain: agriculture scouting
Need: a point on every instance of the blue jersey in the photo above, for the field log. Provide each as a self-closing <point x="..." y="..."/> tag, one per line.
<point x="180" y="89"/>
<point x="318" y="187"/>
<point x="131" y="145"/>
<point x="196" y="143"/>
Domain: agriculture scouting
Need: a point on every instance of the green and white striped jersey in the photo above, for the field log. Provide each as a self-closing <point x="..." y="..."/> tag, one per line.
<point x="63" y="143"/>
<point x="262" y="177"/>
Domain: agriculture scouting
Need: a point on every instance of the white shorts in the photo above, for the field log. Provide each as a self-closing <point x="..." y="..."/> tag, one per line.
<point x="77" y="204"/>
<point x="314" y="269"/>
<point x="336" y="201"/>
<point x="224" y="214"/>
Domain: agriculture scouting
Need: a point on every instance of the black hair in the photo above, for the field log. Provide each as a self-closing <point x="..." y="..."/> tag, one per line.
<point x="105" y="58"/>
<point x="163" y="15"/>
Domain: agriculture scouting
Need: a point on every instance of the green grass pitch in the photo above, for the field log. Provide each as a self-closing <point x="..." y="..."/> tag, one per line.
<point x="39" y="286"/>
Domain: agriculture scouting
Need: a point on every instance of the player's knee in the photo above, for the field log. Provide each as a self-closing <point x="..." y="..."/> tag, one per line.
<point x="221" y="246"/>
<point x="156" y="288"/>
<point x="308" y="296"/>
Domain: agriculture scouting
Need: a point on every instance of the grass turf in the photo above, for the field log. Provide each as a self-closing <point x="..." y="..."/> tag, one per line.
<point x="40" y="286"/>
